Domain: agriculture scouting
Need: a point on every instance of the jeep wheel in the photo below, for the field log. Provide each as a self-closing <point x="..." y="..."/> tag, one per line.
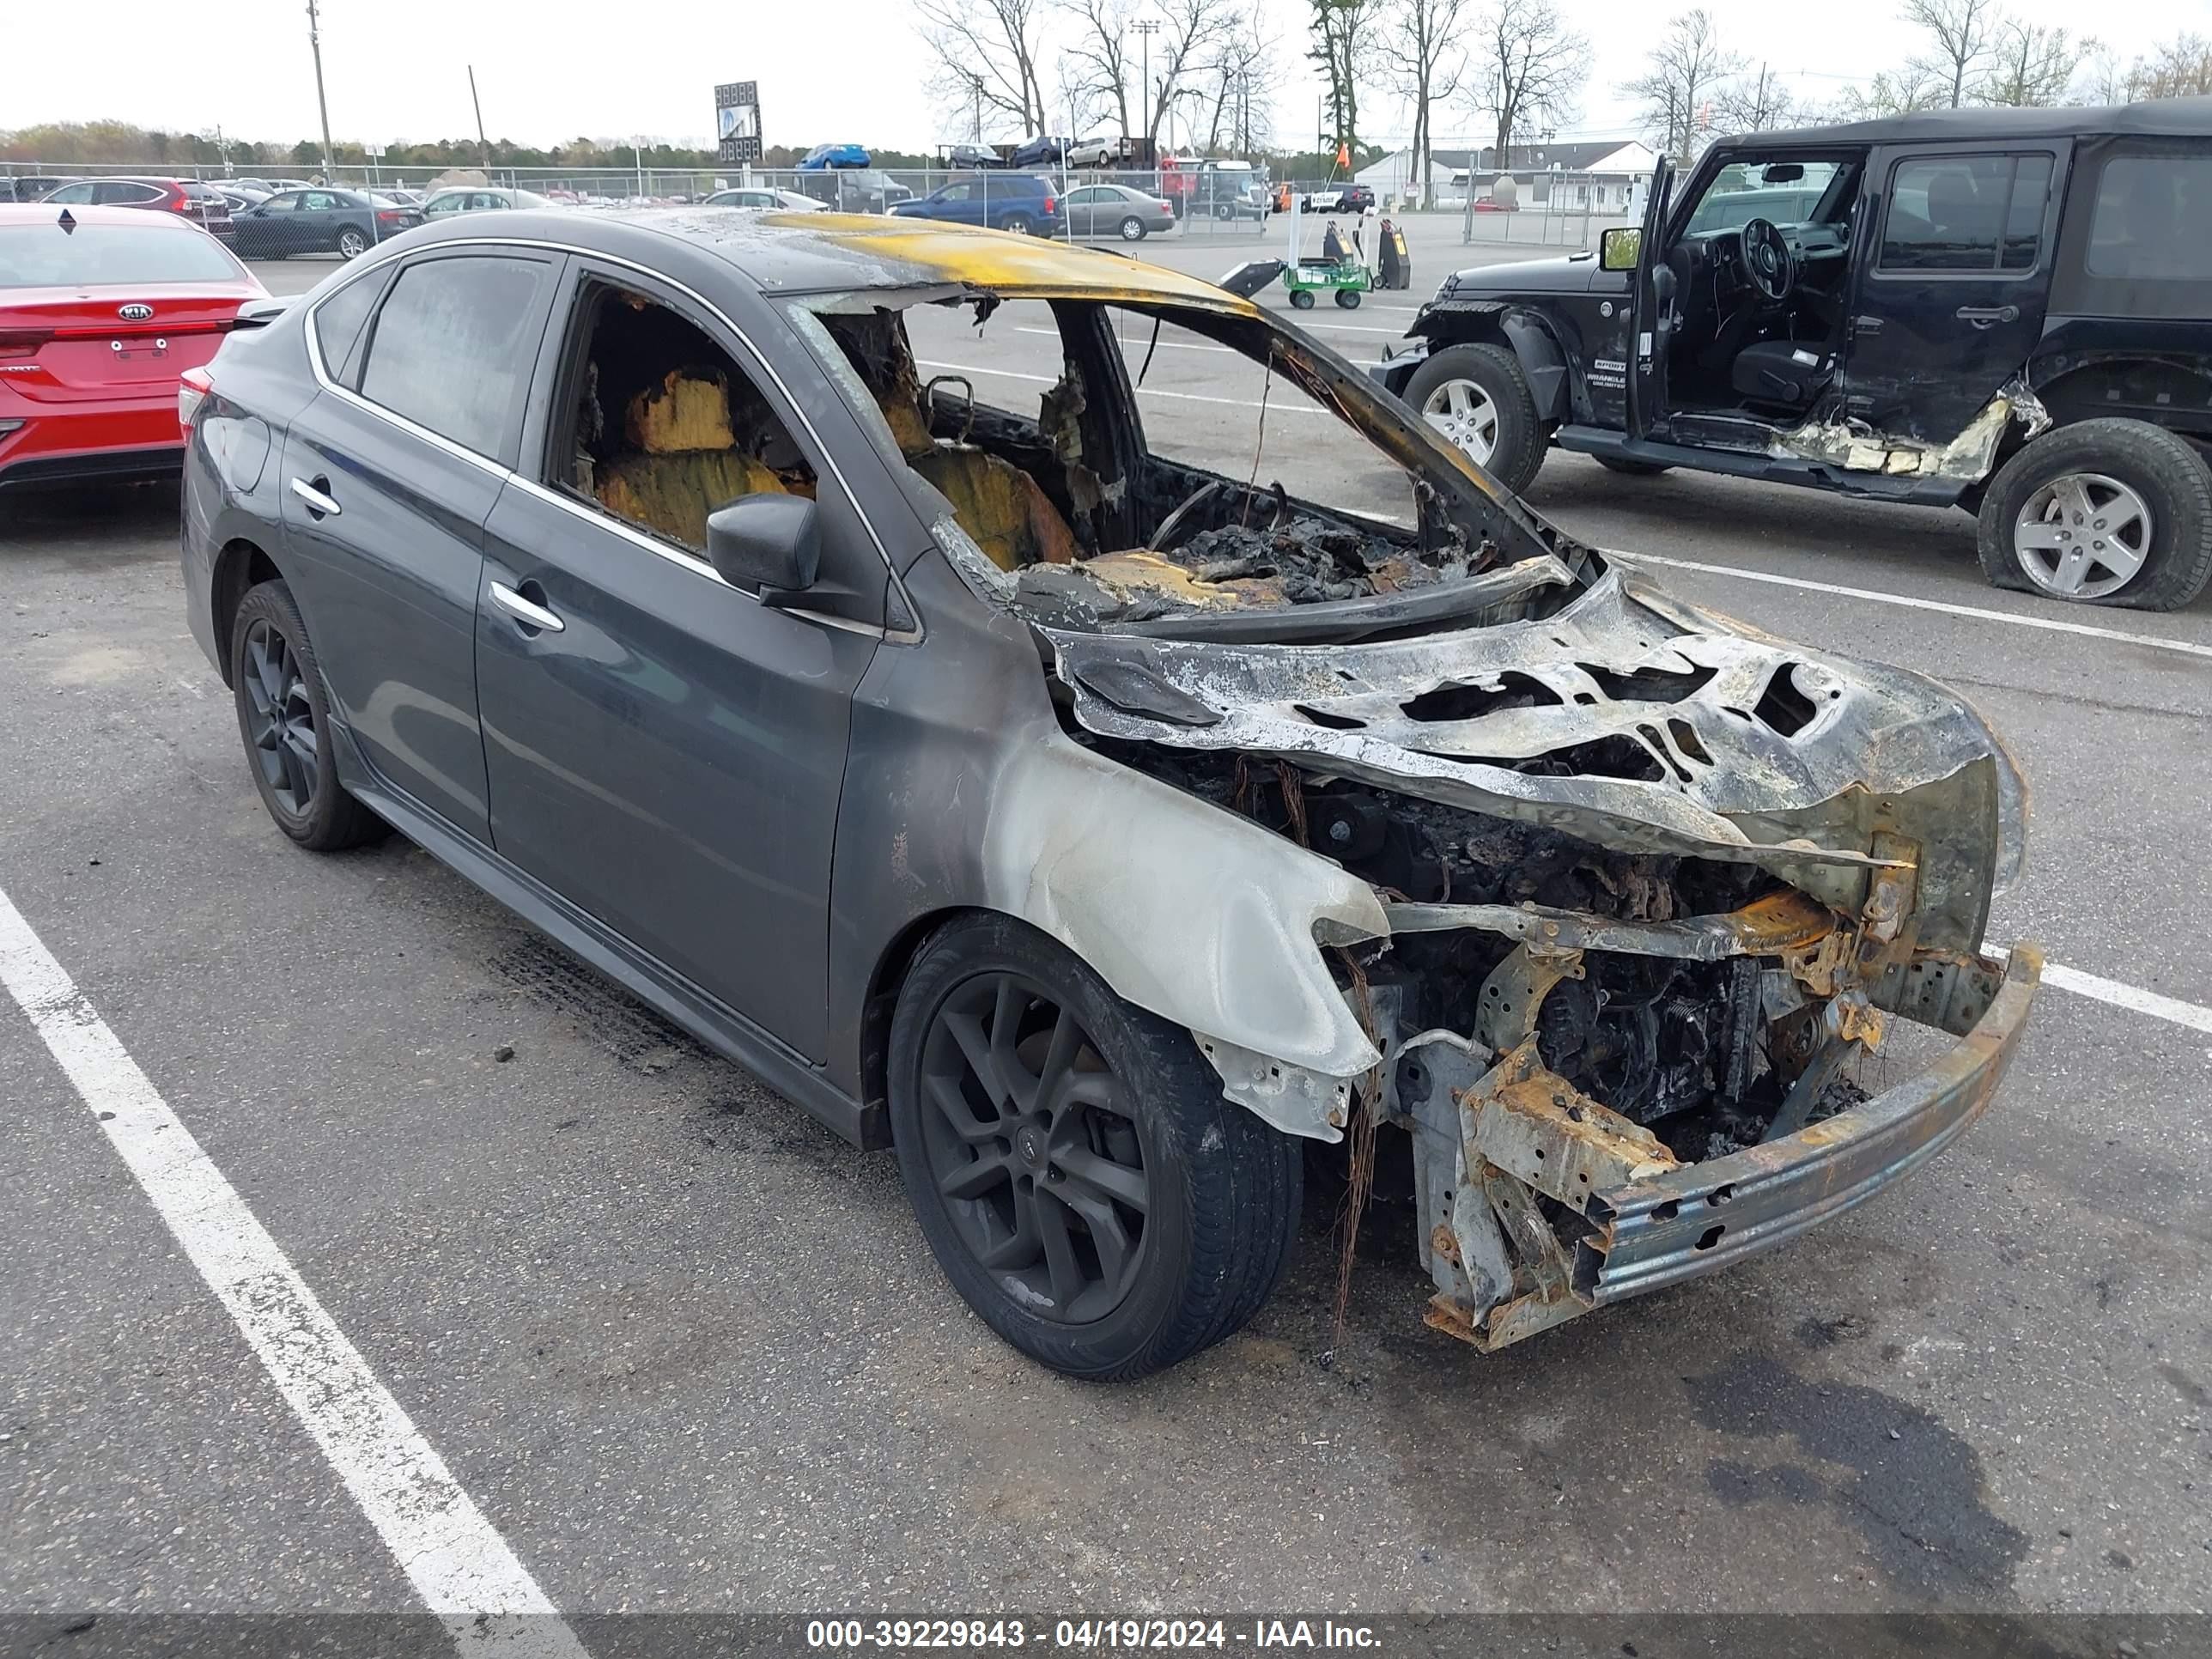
<point x="1477" y="397"/>
<point x="2109" y="512"/>
<point x="1072" y="1163"/>
<point x="284" y="717"/>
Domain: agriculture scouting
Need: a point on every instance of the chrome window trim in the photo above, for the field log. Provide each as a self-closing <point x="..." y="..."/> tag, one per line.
<point x="362" y="268"/>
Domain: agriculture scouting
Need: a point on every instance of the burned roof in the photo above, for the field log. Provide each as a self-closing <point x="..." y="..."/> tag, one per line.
<point x="789" y="254"/>
<point x="2157" y="117"/>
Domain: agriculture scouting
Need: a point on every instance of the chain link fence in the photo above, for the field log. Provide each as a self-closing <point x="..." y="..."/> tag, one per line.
<point x="1079" y="205"/>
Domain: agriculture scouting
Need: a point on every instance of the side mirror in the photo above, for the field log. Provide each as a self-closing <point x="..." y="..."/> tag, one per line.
<point x="764" y="541"/>
<point x="1620" y="248"/>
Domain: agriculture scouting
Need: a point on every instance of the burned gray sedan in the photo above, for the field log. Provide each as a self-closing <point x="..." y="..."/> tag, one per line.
<point x="1092" y="827"/>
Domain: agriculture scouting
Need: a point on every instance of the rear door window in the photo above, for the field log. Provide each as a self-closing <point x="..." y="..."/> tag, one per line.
<point x="124" y="193"/>
<point x="452" y="347"/>
<point x="1965" y="213"/>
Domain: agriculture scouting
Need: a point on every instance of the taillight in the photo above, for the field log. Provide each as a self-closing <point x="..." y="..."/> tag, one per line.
<point x="389" y="215"/>
<point x="1049" y="205"/>
<point x="194" y="387"/>
<point x="23" y="342"/>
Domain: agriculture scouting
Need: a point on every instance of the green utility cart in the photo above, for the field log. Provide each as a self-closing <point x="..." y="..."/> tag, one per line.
<point x="1348" y="278"/>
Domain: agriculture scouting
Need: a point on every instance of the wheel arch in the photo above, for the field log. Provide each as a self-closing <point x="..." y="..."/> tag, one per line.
<point x="1527" y="334"/>
<point x="240" y="568"/>
<point x="880" y="1002"/>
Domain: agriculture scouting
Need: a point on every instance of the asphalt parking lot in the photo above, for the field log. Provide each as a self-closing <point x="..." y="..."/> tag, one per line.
<point x="685" y="1351"/>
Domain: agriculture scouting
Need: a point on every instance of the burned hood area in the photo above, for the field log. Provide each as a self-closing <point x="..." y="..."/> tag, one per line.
<point x="1649" y="883"/>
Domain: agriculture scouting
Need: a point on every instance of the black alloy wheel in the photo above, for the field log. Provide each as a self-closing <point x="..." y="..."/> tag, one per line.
<point x="280" y="720"/>
<point x="284" y="721"/>
<point x="1031" y="1140"/>
<point x="1071" y="1161"/>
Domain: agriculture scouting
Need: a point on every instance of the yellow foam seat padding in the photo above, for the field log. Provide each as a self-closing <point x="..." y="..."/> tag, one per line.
<point x="1009" y="516"/>
<point x="673" y="494"/>
<point x="689" y="410"/>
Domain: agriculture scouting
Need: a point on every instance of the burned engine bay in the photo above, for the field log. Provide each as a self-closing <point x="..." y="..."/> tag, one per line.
<point x="1637" y="888"/>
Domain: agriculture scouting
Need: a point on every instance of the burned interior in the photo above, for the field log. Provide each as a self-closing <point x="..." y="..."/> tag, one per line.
<point x="1644" y="887"/>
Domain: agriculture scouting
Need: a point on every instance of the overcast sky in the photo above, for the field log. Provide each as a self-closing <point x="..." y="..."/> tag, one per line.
<point x="846" y="69"/>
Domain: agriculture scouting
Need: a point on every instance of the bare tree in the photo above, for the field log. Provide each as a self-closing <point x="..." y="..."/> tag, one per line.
<point x="1527" y="69"/>
<point x="1757" y="102"/>
<point x="1684" y="74"/>
<point x="1960" y="35"/>
<point x="986" y="51"/>
<point x="2104" y="78"/>
<point x="1192" y="32"/>
<point x="1342" y="47"/>
<point x="1894" y="92"/>
<point x="1240" y="79"/>
<point x="2031" y="67"/>
<point x="2182" y="68"/>
<point x="1422" y="55"/>
<point x="1099" y="55"/>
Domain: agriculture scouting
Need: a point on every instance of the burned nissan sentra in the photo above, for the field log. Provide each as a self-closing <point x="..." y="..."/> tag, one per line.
<point x="1095" y="816"/>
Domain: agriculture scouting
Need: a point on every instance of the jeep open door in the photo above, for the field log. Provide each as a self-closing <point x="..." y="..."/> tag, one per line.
<point x="1652" y="309"/>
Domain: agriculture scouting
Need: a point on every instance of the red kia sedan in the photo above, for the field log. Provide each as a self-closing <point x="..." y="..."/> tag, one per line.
<point x="102" y="309"/>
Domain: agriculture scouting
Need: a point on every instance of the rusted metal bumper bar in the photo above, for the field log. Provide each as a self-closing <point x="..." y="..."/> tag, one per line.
<point x="1704" y="1217"/>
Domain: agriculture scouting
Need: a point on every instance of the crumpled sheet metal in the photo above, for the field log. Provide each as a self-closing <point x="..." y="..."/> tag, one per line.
<point x="1857" y="448"/>
<point x="1874" y="732"/>
<point x="1196" y="915"/>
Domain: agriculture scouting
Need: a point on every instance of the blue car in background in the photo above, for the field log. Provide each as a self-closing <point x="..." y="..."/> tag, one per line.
<point x="835" y="155"/>
<point x="1003" y="201"/>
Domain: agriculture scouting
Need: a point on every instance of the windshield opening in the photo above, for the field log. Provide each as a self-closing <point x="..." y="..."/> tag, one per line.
<point x="1135" y="465"/>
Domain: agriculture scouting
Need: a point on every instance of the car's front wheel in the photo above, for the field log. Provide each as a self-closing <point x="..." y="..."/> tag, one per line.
<point x="1072" y="1163"/>
<point x="351" y="243"/>
<point x="1133" y="229"/>
<point x="2108" y="512"/>
<point x="1477" y="397"/>
<point x="284" y="717"/>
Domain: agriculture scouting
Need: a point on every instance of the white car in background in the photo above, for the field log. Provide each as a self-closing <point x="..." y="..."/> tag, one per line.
<point x="756" y="195"/>
<point x="1100" y="152"/>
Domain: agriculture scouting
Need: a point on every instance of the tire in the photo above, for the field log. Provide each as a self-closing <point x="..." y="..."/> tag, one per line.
<point x="1133" y="229"/>
<point x="1348" y="298"/>
<point x="1224" y="212"/>
<point x="352" y="244"/>
<point x="1301" y="298"/>
<point x="1629" y="469"/>
<point x="1221" y="1190"/>
<point x="2152" y="490"/>
<point x="328" y="819"/>
<point x="1020" y="224"/>
<point x="1502" y="417"/>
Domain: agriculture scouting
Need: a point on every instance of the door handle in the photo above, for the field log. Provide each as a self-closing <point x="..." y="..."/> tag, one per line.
<point x="317" y="497"/>
<point x="529" y="613"/>
<point x="1983" y="316"/>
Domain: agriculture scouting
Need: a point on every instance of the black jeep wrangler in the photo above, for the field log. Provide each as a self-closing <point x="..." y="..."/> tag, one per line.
<point x="2009" y="310"/>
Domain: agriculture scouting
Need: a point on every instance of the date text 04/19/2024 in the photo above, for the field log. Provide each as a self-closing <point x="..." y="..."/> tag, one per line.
<point x="1089" y="1635"/>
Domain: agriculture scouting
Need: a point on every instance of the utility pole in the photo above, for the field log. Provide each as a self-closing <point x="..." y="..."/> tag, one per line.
<point x="1146" y="28"/>
<point x="976" y="125"/>
<point x="315" y="45"/>
<point x="483" y="149"/>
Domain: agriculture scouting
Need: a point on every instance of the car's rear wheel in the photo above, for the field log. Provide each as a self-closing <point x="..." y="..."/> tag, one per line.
<point x="351" y="243"/>
<point x="1133" y="229"/>
<point x="1020" y="223"/>
<point x="284" y="716"/>
<point x="2109" y="512"/>
<point x="1072" y="1163"/>
<point x="1476" y="397"/>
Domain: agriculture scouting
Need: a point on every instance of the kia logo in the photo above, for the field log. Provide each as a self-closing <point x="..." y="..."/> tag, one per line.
<point x="134" y="313"/>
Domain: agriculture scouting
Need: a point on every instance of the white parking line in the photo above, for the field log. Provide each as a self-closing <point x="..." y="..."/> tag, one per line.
<point x="459" y="1565"/>
<point x="2098" y="988"/>
<point x="1301" y="407"/>
<point x="2049" y="624"/>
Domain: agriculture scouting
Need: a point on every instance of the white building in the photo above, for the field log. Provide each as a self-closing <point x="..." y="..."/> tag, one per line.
<point x="1597" y="178"/>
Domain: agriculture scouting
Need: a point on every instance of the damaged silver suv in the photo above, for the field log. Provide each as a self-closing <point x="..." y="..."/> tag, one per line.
<point x="1095" y="822"/>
